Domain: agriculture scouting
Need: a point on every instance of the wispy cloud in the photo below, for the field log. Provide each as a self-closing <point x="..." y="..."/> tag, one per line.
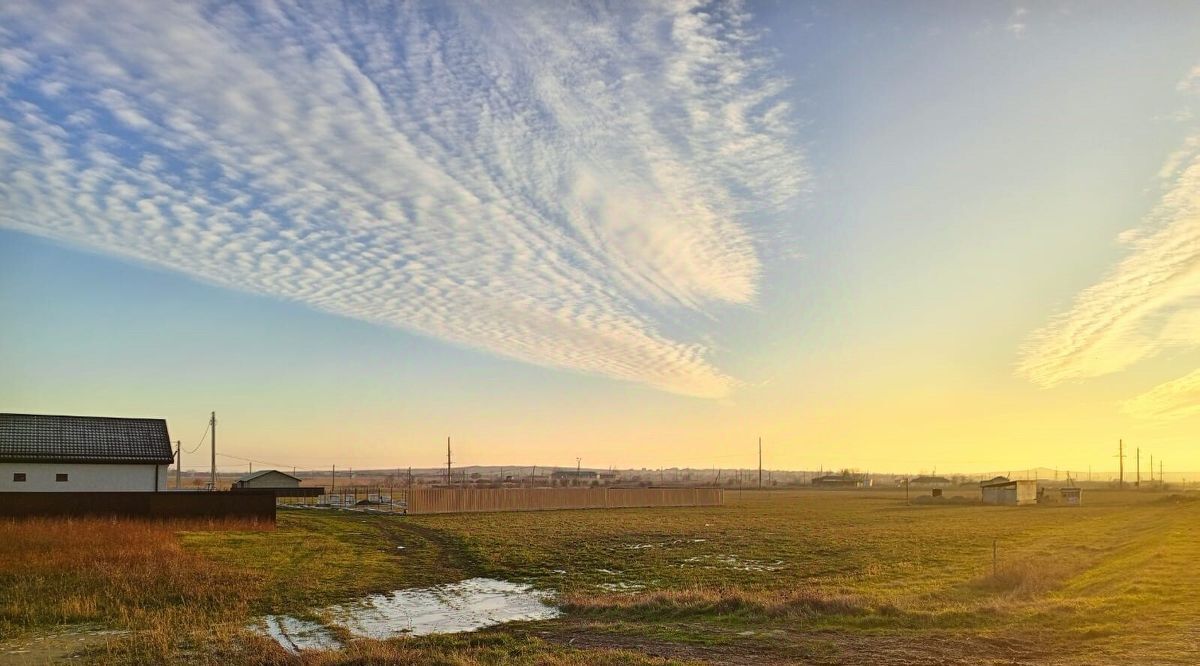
<point x="1190" y="82"/>
<point x="1175" y="399"/>
<point x="1146" y="305"/>
<point x="1135" y="312"/>
<point x="554" y="183"/>
<point x="1018" y="22"/>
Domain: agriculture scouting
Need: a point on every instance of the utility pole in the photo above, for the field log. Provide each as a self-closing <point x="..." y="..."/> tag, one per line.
<point x="1121" y="459"/>
<point x="1138" y="482"/>
<point x="448" y="479"/>
<point x="1160" y="476"/>
<point x="213" y="424"/>
<point x="178" y="465"/>
<point x="1152" y="469"/>
<point x="760" y="463"/>
<point x="333" y="480"/>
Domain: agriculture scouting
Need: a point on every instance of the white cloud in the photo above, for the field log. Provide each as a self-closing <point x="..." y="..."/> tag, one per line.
<point x="551" y="183"/>
<point x="1145" y="305"/>
<point x="1191" y="82"/>
<point x="1175" y="399"/>
<point x="1018" y="22"/>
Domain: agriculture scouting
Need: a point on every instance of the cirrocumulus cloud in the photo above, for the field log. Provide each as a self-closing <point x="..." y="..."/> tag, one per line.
<point x="553" y="183"/>
<point x="1147" y="304"/>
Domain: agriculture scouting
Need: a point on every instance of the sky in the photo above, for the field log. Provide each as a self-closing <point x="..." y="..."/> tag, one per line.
<point x="893" y="236"/>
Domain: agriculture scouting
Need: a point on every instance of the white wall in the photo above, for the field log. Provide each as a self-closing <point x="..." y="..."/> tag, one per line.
<point x="39" y="477"/>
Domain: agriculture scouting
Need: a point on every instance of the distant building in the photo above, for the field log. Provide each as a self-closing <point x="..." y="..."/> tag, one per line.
<point x="268" y="478"/>
<point x="1010" y="493"/>
<point x="283" y="485"/>
<point x="844" y="480"/>
<point x="573" y="475"/>
<point x="45" y="453"/>
<point x="1072" y="496"/>
<point x="929" y="481"/>
<point x="994" y="480"/>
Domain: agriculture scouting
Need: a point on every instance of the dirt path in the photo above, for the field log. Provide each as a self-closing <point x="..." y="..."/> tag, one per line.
<point x="451" y="549"/>
<point x="828" y="648"/>
<point x="54" y="647"/>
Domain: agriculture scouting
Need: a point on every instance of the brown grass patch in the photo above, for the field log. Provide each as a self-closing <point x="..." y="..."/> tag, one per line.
<point x="120" y="572"/>
<point x="1026" y="578"/>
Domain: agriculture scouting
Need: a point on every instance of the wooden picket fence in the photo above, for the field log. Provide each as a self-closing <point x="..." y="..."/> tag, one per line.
<point x="471" y="500"/>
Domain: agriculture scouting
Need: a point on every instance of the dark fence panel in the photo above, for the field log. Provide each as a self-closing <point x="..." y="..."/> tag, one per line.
<point x="305" y="491"/>
<point x="174" y="504"/>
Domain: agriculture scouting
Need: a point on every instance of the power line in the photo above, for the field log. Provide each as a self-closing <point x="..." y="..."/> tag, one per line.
<point x="254" y="460"/>
<point x="201" y="443"/>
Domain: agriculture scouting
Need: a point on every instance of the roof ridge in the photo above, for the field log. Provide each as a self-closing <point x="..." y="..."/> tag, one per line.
<point x="82" y="416"/>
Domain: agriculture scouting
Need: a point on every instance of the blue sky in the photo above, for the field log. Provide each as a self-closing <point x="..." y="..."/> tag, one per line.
<point x="638" y="234"/>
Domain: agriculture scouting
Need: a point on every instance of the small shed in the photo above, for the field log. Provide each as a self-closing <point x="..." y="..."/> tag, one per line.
<point x="1072" y="496"/>
<point x="843" y="480"/>
<point x="284" y="485"/>
<point x="268" y="478"/>
<point x="1010" y="493"/>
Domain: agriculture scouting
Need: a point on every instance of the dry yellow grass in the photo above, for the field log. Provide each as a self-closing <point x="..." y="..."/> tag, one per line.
<point x="123" y="573"/>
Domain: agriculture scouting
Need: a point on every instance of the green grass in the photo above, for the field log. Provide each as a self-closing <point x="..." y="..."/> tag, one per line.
<point x="316" y="557"/>
<point x="823" y="577"/>
<point x="867" y="563"/>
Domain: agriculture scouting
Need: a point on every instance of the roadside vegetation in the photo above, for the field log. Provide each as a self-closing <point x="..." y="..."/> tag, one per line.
<point x="801" y="576"/>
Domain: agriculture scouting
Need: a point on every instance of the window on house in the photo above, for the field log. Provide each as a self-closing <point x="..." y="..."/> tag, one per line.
<point x="60" y="477"/>
<point x="18" y="477"/>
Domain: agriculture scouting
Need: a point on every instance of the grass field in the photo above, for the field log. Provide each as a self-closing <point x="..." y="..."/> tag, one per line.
<point x="772" y="577"/>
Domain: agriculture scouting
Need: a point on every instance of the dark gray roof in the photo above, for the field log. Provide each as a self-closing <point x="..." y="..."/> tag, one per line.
<point x="250" y="477"/>
<point x="94" y="439"/>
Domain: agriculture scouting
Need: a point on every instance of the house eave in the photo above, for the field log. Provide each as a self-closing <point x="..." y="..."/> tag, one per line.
<point x="88" y="461"/>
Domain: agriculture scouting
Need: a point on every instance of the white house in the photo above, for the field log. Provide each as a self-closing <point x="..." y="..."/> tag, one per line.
<point x="44" y="453"/>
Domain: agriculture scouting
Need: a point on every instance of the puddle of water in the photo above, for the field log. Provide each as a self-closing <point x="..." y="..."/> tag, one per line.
<point x="465" y="606"/>
<point x="733" y="562"/>
<point x="621" y="586"/>
<point x="456" y="607"/>
<point x="295" y="635"/>
<point x="660" y="544"/>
